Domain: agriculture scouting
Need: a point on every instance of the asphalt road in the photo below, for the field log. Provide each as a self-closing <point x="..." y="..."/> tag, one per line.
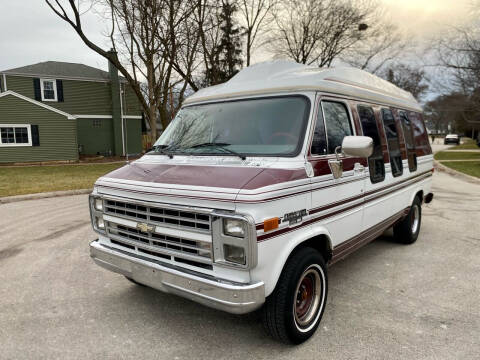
<point x="386" y="301"/>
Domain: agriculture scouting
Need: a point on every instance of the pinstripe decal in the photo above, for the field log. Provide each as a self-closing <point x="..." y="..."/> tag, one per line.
<point x="394" y="188"/>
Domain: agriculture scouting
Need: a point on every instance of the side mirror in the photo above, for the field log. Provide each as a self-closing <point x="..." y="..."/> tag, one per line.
<point x="357" y="146"/>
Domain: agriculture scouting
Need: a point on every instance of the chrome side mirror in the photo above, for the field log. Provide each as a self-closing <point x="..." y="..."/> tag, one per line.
<point x="336" y="165"/>
<point x="357" y="146"/>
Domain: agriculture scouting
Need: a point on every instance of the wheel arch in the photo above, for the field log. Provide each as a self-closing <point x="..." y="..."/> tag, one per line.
<point x="318" y="239"/>
<point x="417" y="193"/>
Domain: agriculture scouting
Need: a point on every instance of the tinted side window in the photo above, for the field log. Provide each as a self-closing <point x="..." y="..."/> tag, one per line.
<point x="420" y="135"/>
<point x="337" y="124"/>
<point x="393" y="142"/>
<point x="409" y="142"/>
<point x="370" y="128"/>
<point x="319" y="141"/>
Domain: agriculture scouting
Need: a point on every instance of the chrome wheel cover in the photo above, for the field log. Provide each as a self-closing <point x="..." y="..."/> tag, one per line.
<point x="415" y="218"/>
<point x="309" y="298"/>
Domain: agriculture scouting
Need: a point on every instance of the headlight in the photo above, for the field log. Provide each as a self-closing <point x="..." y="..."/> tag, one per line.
<point x="234" y="240"/>
<point x="234" y="227"/>
<point x="96" y="213"/>
<point x="234" y="254"/>
<point x="98" y="204"/>
<point x="100" y="222"/>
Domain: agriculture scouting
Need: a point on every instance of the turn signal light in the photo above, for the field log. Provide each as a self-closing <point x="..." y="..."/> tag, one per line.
<point x="270" y="224"/>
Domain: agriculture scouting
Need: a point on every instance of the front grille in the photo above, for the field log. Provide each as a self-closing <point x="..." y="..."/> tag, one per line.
<point x="177" y="248"/>
<point x="158" y="215"/>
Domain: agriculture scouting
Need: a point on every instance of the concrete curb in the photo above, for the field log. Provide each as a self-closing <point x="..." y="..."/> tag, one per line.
<point x="440" y="167"/>
<point x="44" y="195"/>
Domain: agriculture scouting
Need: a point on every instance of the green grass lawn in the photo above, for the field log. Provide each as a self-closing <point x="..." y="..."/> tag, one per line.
<point x="35" y="179"/>
<point x="468" y="144"/>
<point x="467" y="167"/>
<point x="453" y="155"/>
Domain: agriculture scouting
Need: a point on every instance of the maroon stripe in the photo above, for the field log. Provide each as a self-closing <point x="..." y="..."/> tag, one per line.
<point x="326" y="207"/>
<point x="256" y="201"/>
<point x="308" y="222"/>
<point x="248" y="178"/>
<point x="346" y="248"/>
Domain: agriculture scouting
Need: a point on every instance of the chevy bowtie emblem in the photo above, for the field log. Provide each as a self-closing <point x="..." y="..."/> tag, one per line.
<point x="145" y="227"/>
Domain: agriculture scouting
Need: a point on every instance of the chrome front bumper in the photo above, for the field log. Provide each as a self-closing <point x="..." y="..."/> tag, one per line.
<point x="230" y="297"/>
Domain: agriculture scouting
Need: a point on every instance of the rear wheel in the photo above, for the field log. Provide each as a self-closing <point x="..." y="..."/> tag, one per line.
<point x="407" y="230"/>
<point x="293" y="311"/>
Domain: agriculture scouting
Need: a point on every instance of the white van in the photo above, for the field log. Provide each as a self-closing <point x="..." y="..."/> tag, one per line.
<point x="261" y="183"/>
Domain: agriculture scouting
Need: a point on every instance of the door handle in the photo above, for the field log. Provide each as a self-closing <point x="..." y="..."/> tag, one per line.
<point x="358" y="167"/>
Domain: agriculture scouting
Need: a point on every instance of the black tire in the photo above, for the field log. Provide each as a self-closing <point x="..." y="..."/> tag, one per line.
<point x="407" y="230"/>
<point x="281" y="312"/>
<point x="133" y="281"/>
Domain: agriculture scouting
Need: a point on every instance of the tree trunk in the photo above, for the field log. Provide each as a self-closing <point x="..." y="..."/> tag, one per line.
<point x="153" y="123"/>
<point x="164" y="116"/>
<point x="249" y="45"/>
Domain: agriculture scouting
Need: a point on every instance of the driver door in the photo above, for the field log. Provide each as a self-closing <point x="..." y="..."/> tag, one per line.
<point x="337" y="204"/>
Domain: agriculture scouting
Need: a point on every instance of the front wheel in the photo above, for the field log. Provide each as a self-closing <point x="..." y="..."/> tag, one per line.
<point x="293" y="311"/>
<point x="407" y="230"/>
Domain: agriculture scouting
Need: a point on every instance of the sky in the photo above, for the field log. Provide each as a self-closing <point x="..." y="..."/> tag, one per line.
<point x="32" y="33"/>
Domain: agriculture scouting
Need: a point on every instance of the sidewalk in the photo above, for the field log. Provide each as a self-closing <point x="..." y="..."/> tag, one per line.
<point x="465" y="150"/>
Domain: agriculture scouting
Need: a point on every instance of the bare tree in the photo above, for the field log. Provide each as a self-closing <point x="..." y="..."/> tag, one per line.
<point x="256" y="15"/>
<point x="409" y="78"/>
<point x="144" y="34"/>
<point x="382" y="45"/>
<point x="318" y="31"/>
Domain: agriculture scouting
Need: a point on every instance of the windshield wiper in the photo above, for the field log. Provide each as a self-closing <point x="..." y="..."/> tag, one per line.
<point x="164" y="150"/>
<point x="221" y="146"/>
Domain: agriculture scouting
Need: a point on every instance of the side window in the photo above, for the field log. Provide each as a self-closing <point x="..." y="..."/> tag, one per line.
<point x="409" y="141"/>
<point x="370" y="128"/>
<point x="393" y="142"/>
<point x="319" y="141"/>
<point x="337" y="124"/>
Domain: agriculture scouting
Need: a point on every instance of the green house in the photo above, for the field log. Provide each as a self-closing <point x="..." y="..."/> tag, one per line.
<point x="58" y="111"/>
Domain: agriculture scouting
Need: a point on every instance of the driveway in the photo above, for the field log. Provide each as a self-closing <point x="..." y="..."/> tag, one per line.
<point x="386" y="301"/>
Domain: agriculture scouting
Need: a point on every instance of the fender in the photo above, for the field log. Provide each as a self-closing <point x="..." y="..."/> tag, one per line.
<point x="274" y="253"/>
<point x="424" y="187"/>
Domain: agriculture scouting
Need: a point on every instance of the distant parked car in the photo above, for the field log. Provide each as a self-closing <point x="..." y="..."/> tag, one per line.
<point x="452" y="139"/>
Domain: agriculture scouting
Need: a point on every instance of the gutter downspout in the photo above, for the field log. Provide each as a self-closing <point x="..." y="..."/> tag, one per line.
<point x="124" y="145"/>
<point x="4" y="83"/>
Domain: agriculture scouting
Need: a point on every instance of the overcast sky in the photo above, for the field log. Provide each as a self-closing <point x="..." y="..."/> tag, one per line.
<point x="32" y="33"/>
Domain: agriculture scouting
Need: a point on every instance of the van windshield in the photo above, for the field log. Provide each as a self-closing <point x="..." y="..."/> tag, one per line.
<point x="264" y="127"/>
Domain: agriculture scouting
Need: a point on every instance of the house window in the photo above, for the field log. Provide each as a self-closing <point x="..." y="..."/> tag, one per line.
<point x="49" y="89"/>
<point x="97" y="123"/>
<point x="15" y="135"/>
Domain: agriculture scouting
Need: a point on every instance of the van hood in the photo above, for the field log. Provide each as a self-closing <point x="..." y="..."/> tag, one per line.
<point x="206" y="185"/>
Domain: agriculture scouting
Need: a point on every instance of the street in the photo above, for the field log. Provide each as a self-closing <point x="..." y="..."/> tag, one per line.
<point x="386" y="301"/>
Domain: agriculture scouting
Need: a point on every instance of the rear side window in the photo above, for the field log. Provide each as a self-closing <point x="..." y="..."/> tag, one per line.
<point x="337" y="124"/>
<point x="370" y="128"/>
<point x="393" y="142"/>
<point x="422" y="146"/>
<point x="409" y="141"/>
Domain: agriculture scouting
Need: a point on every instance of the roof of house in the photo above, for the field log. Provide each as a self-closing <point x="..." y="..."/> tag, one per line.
<point x="38" y="103"/>
<point x="59" y="69"/>
<point x="287" y="76"/>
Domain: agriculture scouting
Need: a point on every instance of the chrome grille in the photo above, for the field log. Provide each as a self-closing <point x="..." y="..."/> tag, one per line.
<point x="174" y="248"/>
<point x="158" y="215"/>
